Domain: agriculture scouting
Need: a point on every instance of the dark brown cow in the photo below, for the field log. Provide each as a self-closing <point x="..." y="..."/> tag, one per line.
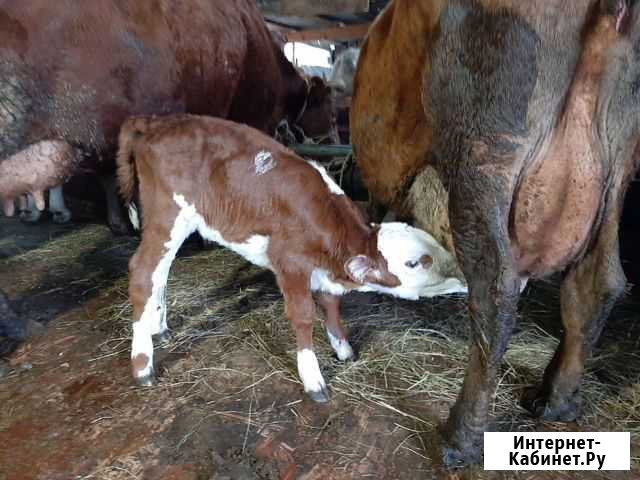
<point x="71" y="72"/>
<point x="243" y="190"/>
<point x="509" y="129"/>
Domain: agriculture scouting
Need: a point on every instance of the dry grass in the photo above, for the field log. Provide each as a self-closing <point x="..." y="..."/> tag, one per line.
<point x="412" y="355"/>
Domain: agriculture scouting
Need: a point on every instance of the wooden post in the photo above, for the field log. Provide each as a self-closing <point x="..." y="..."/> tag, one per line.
<point x="305" y="8"/>
<point x="351" y="32"/>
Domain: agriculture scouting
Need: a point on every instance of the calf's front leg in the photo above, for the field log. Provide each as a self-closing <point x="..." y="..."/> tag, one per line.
<point x="300" y="310"/>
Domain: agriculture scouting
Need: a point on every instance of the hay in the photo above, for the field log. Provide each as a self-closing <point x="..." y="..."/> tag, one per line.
<point x="412" y="355"/>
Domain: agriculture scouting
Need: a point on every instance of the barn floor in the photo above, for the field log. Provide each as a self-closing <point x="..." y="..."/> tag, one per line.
<point x="228" y="405"/>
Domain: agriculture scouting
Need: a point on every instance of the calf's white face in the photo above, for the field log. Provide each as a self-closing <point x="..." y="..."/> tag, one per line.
<point x="421" y="264"/>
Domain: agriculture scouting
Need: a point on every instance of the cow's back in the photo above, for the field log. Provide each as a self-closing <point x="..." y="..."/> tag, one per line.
<point x="81" y="68"/>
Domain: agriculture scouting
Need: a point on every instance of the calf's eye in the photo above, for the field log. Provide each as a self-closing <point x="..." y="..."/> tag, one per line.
<point x="411" y="264"/>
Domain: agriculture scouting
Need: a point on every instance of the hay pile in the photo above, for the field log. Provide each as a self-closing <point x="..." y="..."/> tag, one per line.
<point x="410" y="354"/>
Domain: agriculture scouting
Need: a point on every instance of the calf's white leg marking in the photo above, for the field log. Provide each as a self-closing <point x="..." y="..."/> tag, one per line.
<point x="61" y="213"/>
<point x="154" y="315"/>
<point x="341" y="346"/>
<point x="309" y="371"/>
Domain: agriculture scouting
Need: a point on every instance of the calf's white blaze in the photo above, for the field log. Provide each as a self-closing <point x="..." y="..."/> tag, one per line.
<point x="309" y="371"/>
<point x="341" y="346"/>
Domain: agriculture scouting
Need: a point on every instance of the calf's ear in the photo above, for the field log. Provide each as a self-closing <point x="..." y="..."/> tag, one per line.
<point x="362" y="269"/>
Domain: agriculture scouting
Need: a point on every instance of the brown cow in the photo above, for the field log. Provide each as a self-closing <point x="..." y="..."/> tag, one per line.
<point x="243" y="190"/>
<point x="71" y="73"/>
<point x="509" y="129"/>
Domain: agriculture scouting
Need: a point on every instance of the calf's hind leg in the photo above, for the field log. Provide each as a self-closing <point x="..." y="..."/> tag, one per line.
<point x="588" y="294"/>
<point x="148" y="272"/>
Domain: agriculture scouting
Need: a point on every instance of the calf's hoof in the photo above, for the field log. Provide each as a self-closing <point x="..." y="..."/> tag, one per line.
<point x="320" y="396"/>
<point x="162" y="338"/>
<point x="62" y="216"/>
<point x="118" y="226"/>
<point x="30" y="216"/>
<point x="552" y="408"/>
<point x="148" y="380"/>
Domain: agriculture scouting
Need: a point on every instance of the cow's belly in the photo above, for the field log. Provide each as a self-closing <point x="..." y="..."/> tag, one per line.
<point x="556" y="205"/>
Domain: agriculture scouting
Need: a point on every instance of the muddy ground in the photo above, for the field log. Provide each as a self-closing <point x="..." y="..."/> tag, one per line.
<point x="228" y="404"/>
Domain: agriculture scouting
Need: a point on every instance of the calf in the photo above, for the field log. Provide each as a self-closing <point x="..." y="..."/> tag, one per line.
<point x="243" y="190"/>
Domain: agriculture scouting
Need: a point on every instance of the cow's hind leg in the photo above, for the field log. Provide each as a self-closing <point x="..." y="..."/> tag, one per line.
<point x="479" y="206"/>
<point x="58" y="209"/>
<point x="148" y="272"/>
<point x="115" y="216"/>
<point x="29" y="213"/>
<point x="333" y="324"/>
<point x="588" y="294"/>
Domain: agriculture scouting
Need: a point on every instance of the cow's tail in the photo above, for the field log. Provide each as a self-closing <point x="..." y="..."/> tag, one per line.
<point x="131" y="130"/>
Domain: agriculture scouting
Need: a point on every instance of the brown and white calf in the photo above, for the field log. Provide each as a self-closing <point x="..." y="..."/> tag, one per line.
<point x="243" y="190"/>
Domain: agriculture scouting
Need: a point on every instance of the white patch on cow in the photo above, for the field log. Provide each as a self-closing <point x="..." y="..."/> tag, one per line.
<point x="153" y="319"/>
<point x="321" y="281"/>
<point x="254" y="248"/>
<point x="401" y="244"/>
<point x="309" y="371"/>
<point x="134" y="218"/>
<point x="341" y="346"/>
<point x="333" y="186"/>
<point x="264" y="162"/>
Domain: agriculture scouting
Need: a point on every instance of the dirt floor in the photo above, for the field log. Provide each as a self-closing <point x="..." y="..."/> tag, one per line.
<point x="228" y="404"/>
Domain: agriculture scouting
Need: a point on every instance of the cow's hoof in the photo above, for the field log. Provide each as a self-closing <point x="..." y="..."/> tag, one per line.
<point x="551" y="408"/>
<point x="30" y="216"/>
<point x="321" y="396"/>
<point x="62" y="216"/>
<point x="453" y="457"/>
<point x="162" y="338"/>
<point x="119" y="227"/>
<point x="147" y="380"/>
<point x="34" y="329"/>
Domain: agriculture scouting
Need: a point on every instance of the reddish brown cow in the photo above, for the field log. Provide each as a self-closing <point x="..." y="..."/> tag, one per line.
<point x="510" y="130"/>
<point x="242" y="189"/>
<point x="71" y="73"/>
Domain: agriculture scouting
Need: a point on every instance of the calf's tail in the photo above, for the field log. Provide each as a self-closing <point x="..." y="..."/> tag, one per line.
<point x="132" y="129"/>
